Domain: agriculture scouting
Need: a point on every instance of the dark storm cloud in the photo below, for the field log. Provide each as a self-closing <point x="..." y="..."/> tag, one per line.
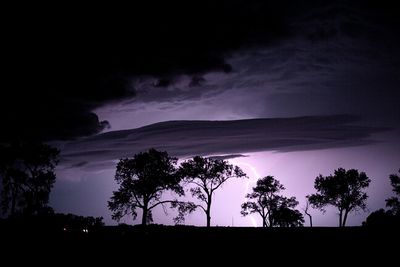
<point x="63" y="63"/>
<point x="188" y="138"/>
<point x="340" y="66"/>
<point x="196" y="81"/>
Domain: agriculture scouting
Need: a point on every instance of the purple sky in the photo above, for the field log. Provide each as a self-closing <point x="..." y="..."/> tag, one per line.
<point x="299" y="77"/>
<point x="287" y="90"/>
<point x="87" y="169"/>
<point x="85" y="191"/>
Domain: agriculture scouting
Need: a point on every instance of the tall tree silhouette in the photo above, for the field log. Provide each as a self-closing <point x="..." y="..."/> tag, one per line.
<point x="207" y="175"/>
<point x="27" y="174"/>
<point x="394" y="203"/>
<point x="274" y="209"/>
<point x="343" y="190"/>
<point x="142" y="180"/>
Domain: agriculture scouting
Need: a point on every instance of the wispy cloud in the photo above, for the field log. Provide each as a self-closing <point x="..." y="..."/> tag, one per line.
<point x="188" y="138"/>
<point x="229" y="156"/>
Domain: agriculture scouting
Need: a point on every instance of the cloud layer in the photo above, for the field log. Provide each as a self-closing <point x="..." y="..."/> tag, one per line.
<point x="338" y="58"/>
<point x="60" y="65"/>
<point x="188" y="138"/>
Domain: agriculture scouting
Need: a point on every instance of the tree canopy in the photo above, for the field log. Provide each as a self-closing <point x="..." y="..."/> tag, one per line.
<point x="27" y="172"/>
<point x="274" y="209"/>
<point x="393" y="202"/>
<point x="207" y="175"/>
<point x="343" y="190"/>
<point x="142" y="180"/>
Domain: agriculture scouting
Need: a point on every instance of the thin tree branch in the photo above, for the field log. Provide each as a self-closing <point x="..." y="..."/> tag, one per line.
<point x="140" y="205"/>
<point x="160" y="202"/>
<point x="223" y="181"/>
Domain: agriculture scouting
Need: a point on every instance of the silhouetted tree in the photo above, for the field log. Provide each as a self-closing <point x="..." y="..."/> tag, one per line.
<point x="274" y="209"/>
<point x="71" y="221"/>
<point x="184" y="208"/>
<point x="142" y="180"/>
<point x="207" y="175"/>
<point x="27" y="174"/>
<point x="306" y="211"/>
<point x="391" y="217"/>
<point x="394" y="203"/>
<point x="343" y="190"/>
<point x="382" y="218"/>
<point x="284" y="213"/>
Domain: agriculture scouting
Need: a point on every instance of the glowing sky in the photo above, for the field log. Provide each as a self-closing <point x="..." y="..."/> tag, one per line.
<point x="86" y="192"/>
<point x="300" y="78"/>
<point x="292" y="91"/>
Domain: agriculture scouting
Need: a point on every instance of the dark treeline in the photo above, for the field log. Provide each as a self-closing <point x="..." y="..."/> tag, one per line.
<point x="27" y="173"/>
<point x="55" y="222"/>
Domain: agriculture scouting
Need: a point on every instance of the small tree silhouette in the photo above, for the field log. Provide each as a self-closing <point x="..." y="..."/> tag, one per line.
<point x="391" y="217"/>
<point x="274" y="209"/>
<point x="142" y="180"/>
<point x="343" y="190"/>
<point x="207" y="175"/>
<point x="394" y="203"/>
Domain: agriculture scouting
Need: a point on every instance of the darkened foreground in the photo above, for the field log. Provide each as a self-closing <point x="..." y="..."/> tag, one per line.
<point x="187" y="242"/>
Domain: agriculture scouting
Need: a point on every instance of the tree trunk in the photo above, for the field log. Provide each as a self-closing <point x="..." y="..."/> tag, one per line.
<point x="264" y="218"/>
<point x="308" y="214"/>
<point x="340" y="218"/>
<point x="144" y="216"/>
<point x="310" y="218"/>
<point x="346" y="212"/>
<point x="270" y="220"/>
<point x="208" y="211"/>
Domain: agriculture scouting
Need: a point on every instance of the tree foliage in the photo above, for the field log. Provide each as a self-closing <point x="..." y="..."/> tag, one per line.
<point x="184" y="208"/>
<point x="383" y="219"/>
<point x="394" y="203"/>
<point x="207" y="175"/>
<point x="274" y="209"/>
<point x="142" y="181"/>
<point x="27" y="172"/>
<point x="285" y="214"/>
<point x="343" y="190"/>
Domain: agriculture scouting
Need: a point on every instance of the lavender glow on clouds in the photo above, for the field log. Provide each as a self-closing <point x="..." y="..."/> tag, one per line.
<point x="277" y="89"/>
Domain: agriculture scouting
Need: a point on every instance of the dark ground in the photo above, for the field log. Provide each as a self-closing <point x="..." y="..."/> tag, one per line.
<point x="182" y="243"/>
